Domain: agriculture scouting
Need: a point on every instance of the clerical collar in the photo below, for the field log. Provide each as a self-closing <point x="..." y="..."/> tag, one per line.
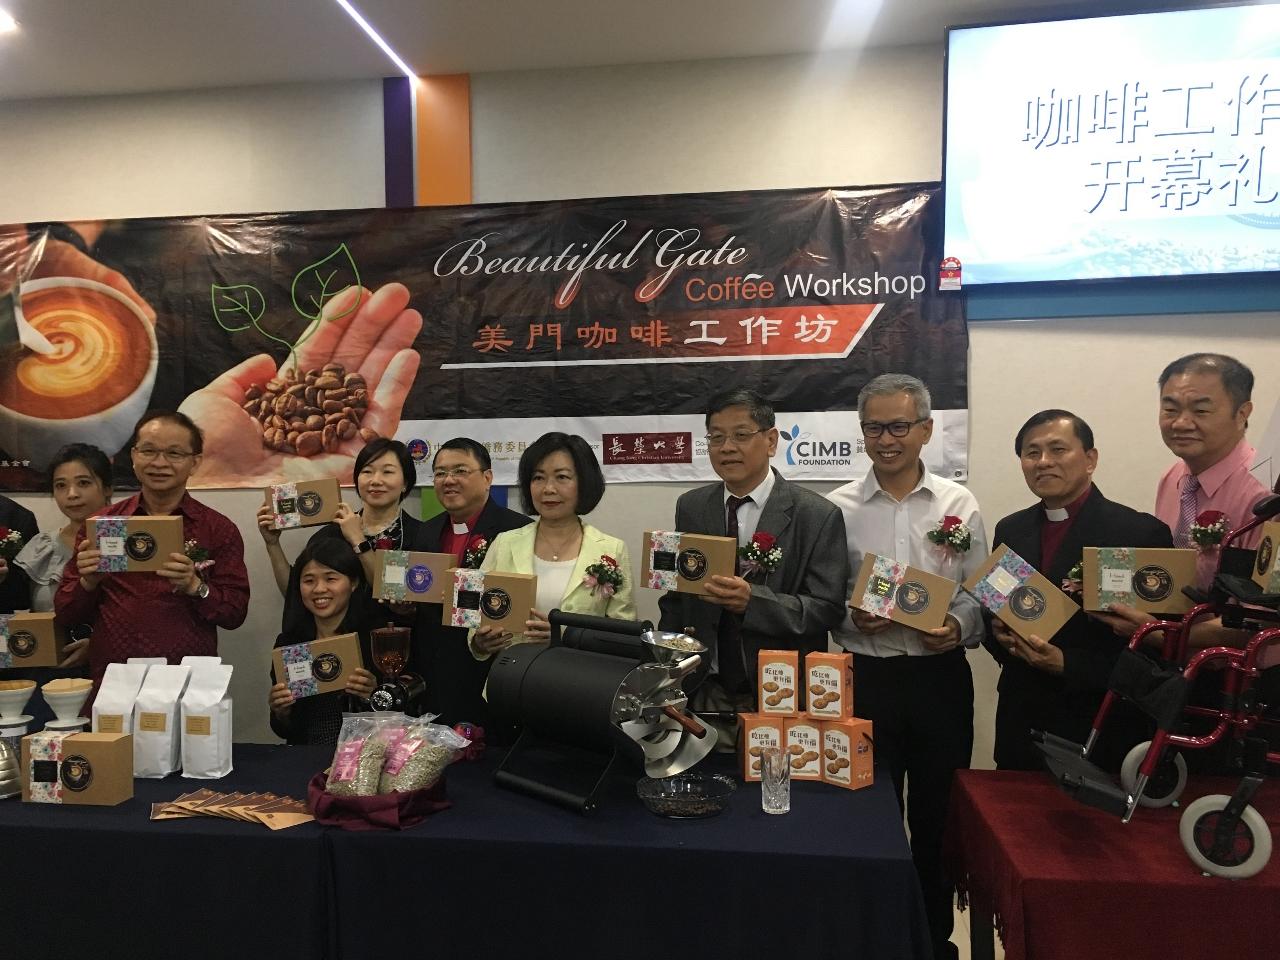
<point x="461" y="528"/>
<point x="1062" y="514"/>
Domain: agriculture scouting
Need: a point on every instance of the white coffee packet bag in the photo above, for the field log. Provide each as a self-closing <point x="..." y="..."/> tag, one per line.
<point x="191" y="660"/>
<point x="156" y="740"/>
<point x="113" y="707"/>
<point x="206" y="722"/>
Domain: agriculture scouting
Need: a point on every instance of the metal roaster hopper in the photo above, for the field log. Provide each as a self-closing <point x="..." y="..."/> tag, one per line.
<point x="599" y="690"/>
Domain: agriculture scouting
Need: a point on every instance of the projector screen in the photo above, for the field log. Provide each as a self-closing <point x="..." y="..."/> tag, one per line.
<point x="1130" y="146"/>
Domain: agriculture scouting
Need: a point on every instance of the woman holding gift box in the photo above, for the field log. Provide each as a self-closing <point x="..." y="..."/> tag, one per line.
<point x="324" y="599"/>
<point x="579" y="568"/>
<point x="384" y="475"/>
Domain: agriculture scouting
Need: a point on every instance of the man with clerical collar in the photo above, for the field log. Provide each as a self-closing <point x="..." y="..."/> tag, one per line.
<point x="175" y="611"/>
<point x="1056" y="684"/>
<point x="789" y="607"/>
<point x="914" y="686"/>
<point x="462" y="472"/>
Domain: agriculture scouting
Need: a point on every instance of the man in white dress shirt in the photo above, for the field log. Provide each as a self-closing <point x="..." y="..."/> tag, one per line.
<point x="915" y="686"/>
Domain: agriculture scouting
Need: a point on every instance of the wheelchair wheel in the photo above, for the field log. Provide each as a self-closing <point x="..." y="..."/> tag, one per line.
<point x="1250" y="847"/>
<point x="1165" y="785"/>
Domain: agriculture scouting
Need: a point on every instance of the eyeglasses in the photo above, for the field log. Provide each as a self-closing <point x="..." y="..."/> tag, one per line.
<point x="172" y="455"/>
<point x="458" y="473"/>
<point x="739" y="437"/>
<point x="898" y="428"/>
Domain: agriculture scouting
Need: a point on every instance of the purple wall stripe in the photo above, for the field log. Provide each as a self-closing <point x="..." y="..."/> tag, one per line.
<point x="397" y="138"/>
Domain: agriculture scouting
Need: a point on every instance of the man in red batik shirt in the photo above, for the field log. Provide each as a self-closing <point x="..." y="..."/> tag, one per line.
<point x="175" y="611"/>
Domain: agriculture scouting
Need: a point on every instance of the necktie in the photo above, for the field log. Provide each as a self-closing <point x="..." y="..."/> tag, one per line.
<point x="733" y="667"/>
<point x="1187" y="511"/>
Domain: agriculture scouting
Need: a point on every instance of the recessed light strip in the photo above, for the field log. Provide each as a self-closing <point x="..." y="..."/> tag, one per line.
<point x="386" y="47"/>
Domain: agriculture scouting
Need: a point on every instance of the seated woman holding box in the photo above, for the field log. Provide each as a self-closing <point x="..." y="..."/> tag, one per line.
<point x="576" y="564"/>
<point x="325" y="598"/>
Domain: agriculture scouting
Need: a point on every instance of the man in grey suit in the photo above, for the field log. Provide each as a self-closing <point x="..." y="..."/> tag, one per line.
<point x="790" y="607"/>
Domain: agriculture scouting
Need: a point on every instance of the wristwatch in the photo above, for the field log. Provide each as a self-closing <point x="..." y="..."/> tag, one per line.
<point x="364" y="546"/>
<point x="202" y="591"/>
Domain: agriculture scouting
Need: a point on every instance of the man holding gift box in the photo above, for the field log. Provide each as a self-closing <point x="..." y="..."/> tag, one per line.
<point x="790" y="591"/>
<point x="177" y="610"/>
<point x="914" y="686"/>
<point x="462" y="473"/>
<point x="1056" y="684"/>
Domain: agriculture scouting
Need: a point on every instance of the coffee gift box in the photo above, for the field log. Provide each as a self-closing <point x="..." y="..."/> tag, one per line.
<point x="410" y="576"/>
<point x="489" y="599"/>
<point x="307" y="503"/>
<point x="685" y="562"/>
<point x="206" y="722"/>
<point x="848" y="753"/>
<point x="88" y="769"/>
<point x="113" y="706"/>
<point x="30" y="640"/>
<point x="1146" y="578"/>
<point x="321" y="666"/>
<point x="157" y="742"/>
<point x="1266" y="567"/>
<point x="134" y="544"/>
<point x="1024" y="600"/>
<point x="902" y="593"/>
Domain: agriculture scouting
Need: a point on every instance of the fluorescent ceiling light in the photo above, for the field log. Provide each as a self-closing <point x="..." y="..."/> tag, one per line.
<point x="7" y="23"/>
<point x="386" y="47"/>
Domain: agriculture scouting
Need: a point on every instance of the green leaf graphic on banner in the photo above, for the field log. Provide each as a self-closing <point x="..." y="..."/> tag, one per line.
<point x="242" y="305"/>
<point x="323" y="280"/>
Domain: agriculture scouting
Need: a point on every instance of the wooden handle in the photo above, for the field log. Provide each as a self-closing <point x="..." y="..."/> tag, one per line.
<point x="686" y="721"/>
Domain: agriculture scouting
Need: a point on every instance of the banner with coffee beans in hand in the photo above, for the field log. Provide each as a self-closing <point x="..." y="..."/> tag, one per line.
<point x="294" y="338"/>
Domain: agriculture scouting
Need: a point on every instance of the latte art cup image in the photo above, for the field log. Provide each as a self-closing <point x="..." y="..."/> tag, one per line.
<point x="98" y="380"/>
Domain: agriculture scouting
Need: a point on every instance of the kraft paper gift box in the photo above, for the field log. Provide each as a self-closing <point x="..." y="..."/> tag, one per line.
<point x="755" y="732"/>
<point x="902" y="593"/>
<point x="157" y="742"/>
<point x="307" y="503"/>
<point x="1023" y="599"/>
<point x="1146" y="578"/>
<point x="81" y="769"/>
<point x="489" y="599"/>
<point x="848" y="753"/>
<point x="206" y="722"/>
<point x="134" y="544"/>
<point x="30" y="640"/>
<point x="320" y="666"/>
<point x="1266" y="567"/>
<point x="686" y="562"/>
<point x="113" y="706"/>
<point x="411" y="576"/>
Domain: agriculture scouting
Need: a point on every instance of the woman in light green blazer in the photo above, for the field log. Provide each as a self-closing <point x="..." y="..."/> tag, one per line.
<point x="560" y="479"/>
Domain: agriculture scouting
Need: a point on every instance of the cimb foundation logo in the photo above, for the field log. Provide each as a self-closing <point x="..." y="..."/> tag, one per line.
<point x="805" y="449"/>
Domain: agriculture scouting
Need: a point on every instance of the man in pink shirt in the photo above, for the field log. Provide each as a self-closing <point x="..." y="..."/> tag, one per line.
<point x="1204" y="411"/>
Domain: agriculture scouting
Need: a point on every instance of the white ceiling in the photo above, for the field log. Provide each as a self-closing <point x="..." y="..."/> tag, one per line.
<point x="85" y="47"/>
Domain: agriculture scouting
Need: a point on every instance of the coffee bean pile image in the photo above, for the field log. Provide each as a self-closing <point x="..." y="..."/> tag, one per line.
<point x="315" y="414"/>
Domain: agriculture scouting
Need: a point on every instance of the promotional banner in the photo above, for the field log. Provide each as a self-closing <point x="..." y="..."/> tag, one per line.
<point x="292" y="339"/>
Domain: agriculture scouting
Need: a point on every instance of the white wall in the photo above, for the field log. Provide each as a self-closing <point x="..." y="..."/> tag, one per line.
<point x="728" y="125"/>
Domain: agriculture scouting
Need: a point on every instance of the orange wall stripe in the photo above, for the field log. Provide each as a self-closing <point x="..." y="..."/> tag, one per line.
<point x="443" y="139"/>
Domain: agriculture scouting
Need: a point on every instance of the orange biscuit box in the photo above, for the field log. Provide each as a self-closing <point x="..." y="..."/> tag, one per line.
<point x="804" y="744"/>
<point x="756" y="733"/>
<point x="828" y="684"/>
<point x="848" y="753"/>
<point x="779" y="683"/>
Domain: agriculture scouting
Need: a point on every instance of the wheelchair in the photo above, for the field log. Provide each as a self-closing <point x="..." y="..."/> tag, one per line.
<point x="1223" y="835"/>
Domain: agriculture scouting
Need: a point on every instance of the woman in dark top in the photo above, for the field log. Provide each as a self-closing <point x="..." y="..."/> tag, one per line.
<point x="327" y="597"/>
<point x="384" y="475"/>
